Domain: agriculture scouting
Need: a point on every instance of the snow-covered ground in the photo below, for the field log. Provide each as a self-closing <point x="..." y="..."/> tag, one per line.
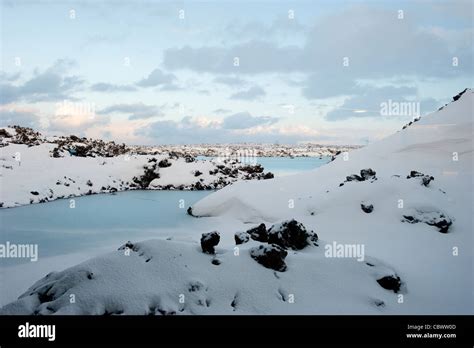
<point x="36" y="172"/>
<point x="395" y="239"/>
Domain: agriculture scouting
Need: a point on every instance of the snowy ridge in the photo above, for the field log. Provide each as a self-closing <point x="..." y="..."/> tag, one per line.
<point x="411" y="252"/>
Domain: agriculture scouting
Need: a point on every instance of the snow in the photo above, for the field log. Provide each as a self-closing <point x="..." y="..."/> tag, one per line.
<point x="435" y="269"/>
<point x="423" y="256"/>
<point x="176" y="268"/>
<point x="72" y="176"/>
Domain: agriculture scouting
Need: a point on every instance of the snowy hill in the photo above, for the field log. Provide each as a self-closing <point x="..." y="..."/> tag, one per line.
<point x="439" y="145"/>
<point x="394" y="236"/>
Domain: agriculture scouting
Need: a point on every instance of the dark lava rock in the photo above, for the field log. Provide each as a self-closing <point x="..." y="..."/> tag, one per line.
<point x="414" y="174"/>
<point x="190" y="211"/>
<point x="189" y="159"/>
<point x="270" y="256"/>
<point x="367" y="208"/>
<point x="197" y="173"/>
<point x="56" y="153"/>
<point x="390" y="283"/>
<point x="241" y="237"/>
<point x="425" y="180"/>
<point x="333" y="157"/>
<point x="34" y="193"/>
<point x="252" y="168"/>
<point x="457" y="96"/>
<point x="209" y="241"/>
<point x="442" y="224"/>
<point x="148" y="176"/>
<point x="89" y="183"/>
<point x="440" y="220"/>
<point x="268" y="175"/>
<point x="5" y="134"/>
<point x="367" y="174"/>
<point x="164" y="164"/>
<point x="215" y="262"/>
<point x="379" y="303"/>
<point x="129" y="245"/>
<point x="259" y="233"/>
<point x="27" y="136"/>
<point x="354" y="177"/>
<point x="291" y="234"/>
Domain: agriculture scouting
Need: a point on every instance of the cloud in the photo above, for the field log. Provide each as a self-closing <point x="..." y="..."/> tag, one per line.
<point x="252" y="93"/>
<point x="232" y="81"/>
<point x="374" y="41"/>
<point x="328" y="84"/>
<point x="4" y="76"/>
<point x="136" y="111"/>
<point x="201" y="130"/>
<point x="13" y="116"/>
<point x="109" y="87"/>
<point x="171" y="87"/>
<point x="221" y="111"/>
<point x="76" y="118"/>
<point x="369" y="103"/>
<point x="243" y="120"/>
<point x="157" y="78"/>
<point x="50" y="85"/>
<point x="281" y="26"/>
<point x="255" y="56"/>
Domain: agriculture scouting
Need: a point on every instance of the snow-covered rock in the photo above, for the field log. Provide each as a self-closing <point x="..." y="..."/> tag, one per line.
<point x="259" y="233"/>
<point x="291" y="235"/>
<point x="209" y="241"/>
<point x="270" y="256"/>
<point x="241" y="237"/>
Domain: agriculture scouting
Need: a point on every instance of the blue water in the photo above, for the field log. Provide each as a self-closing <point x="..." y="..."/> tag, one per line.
<point x="281" y="166"/>
<point x="112" y="219"/>
<point x="95" y="221"/>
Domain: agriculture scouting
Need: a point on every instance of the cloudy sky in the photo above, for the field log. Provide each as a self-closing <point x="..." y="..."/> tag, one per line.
<point x="155" y="72"/>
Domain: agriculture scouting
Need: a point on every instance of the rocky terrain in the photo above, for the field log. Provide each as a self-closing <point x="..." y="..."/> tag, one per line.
<point x="38" y="169"/>
<point x="248" y="150"/>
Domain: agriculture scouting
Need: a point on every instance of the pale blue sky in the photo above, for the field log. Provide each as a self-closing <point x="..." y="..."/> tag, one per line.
<point x="149" y="76"/>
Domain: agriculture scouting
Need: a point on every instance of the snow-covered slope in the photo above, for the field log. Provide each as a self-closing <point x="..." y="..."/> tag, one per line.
<point x="410" y="221"/>
<point x="439" y="145"/>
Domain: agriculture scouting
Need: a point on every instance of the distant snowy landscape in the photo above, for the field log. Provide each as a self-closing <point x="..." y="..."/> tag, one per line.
<point x="383" y="229"/>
